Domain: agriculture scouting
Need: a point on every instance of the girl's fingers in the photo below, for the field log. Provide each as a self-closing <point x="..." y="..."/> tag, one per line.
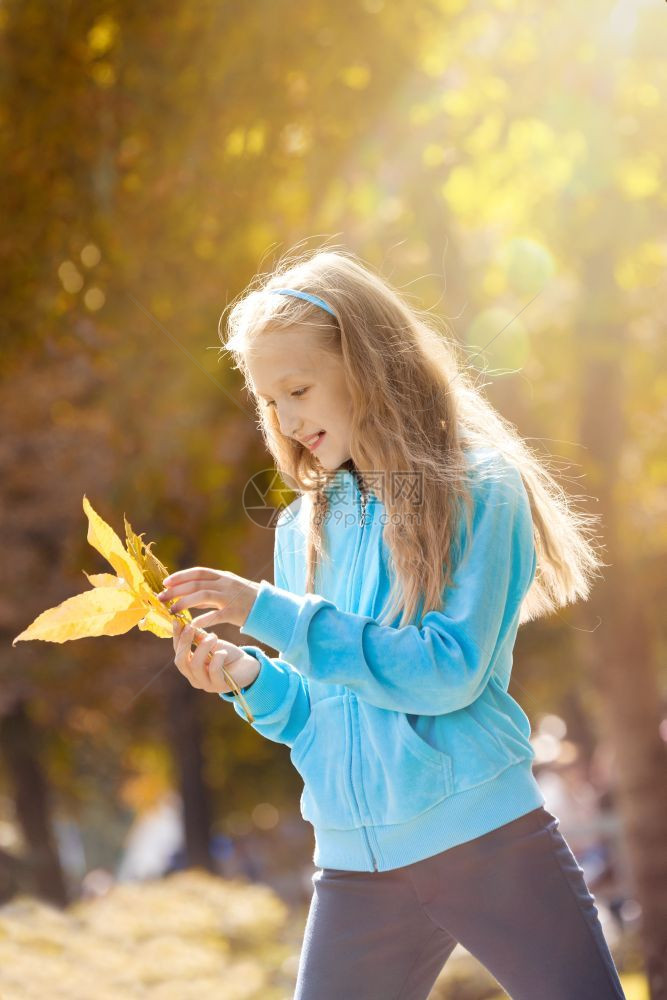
<point x="195" y="598"/>
<point x="216" y="676"/>
<point x="193" y="573"/>
<point x="210" y="618"/>
<point x="186" y="638"/>
<point x="198" y="669"/>
<point x="203" y="668"/>
<point x="183" y="646"/>
<point x="233" y="653"/>
<point x="182" y="643"/>
<point x="186" y="588"/>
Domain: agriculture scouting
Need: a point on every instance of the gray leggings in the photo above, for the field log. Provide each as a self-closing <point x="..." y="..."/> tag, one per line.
<point x="515" y="898"/>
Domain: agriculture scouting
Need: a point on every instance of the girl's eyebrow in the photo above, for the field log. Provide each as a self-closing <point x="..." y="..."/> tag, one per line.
<point x="287" y="378"/>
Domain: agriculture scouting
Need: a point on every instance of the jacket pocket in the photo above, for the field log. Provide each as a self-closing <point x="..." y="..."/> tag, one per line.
<point x="484" y="741"/>
<point x="321" y="755"/>
<point x="403" y="774"/>
<point x="509" y="720"/>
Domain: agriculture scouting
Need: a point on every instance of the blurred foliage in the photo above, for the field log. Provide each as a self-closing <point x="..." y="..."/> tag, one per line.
<point x="496" y="160"/>
<point x="189" y="935"/>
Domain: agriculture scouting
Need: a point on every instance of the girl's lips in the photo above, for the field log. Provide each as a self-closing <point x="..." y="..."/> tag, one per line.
<point x="316" y="442"/>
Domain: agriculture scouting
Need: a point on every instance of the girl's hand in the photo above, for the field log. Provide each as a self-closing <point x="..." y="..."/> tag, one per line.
<point x="201" y="587"/>
<point x="203" y="668"/>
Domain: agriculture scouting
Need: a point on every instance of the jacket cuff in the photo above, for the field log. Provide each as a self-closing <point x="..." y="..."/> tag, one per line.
<point x="273" y="616"/>
<point x="268" y="689"/>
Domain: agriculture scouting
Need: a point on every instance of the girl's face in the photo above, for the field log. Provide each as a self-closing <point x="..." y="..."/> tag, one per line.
<point x="307" y="389"/>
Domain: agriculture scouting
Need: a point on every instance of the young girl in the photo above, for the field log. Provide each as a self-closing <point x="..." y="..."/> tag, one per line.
<point x="425" y="532"/>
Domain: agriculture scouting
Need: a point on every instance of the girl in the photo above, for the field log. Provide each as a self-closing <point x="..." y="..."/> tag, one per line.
<point x="425" y="532"/>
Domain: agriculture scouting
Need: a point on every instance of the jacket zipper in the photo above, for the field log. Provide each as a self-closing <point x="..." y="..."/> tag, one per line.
<point x="362" y="522"/>
<point x="356" y="801"/>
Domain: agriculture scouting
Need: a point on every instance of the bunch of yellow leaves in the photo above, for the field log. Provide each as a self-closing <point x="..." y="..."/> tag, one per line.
<point x="116" y="603"/>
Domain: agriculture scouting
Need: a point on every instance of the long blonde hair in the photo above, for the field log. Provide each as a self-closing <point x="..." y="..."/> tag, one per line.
<point x="414" y="407"/>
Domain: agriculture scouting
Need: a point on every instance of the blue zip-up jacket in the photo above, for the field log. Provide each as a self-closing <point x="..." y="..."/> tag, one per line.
<point x="406" y="739"/>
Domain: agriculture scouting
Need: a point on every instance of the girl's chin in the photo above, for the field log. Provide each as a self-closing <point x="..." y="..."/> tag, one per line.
<point x="330" y="460"/>
<point x="337" y="464"/>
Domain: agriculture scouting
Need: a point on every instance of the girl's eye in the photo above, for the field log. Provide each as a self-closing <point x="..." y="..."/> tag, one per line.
<point x="297" y="392"/>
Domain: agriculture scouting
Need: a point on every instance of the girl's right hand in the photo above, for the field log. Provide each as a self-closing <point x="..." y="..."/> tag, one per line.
<point x="203" y="668"/>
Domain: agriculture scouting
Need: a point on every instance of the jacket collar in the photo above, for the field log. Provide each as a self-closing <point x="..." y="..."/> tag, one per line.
<point x="345" y="483"/>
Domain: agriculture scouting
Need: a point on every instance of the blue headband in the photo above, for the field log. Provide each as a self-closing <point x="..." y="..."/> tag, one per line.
<point x="315" y="299"/>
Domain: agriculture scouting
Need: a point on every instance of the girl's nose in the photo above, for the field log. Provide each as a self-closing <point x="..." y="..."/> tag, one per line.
<point x="286" y="422"/>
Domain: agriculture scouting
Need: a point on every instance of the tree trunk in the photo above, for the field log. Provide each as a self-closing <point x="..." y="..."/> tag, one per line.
<point x="186" y="739"/>
<point x="18" y="740"/>
<point x="622" y="651"/>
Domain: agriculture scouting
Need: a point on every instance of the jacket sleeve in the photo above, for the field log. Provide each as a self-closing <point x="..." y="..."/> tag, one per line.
<point x="278" y="697"/>
<point x="444" y="664"/>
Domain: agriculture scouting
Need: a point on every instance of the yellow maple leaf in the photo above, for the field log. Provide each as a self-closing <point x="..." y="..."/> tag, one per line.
<point x="103" y="538"/>
<point x="116" y="603"/>
<point x="105" y="580"/>
<point x="154" y="622"/>
<point x="100" y="611"/>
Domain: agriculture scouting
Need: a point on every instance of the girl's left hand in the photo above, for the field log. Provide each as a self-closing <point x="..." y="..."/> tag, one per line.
<point x="201" y="587"/>
<point x="203" y="668"/>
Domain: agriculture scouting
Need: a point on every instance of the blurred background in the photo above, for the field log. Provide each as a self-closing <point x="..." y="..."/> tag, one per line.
<point x="501" y="163"/>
